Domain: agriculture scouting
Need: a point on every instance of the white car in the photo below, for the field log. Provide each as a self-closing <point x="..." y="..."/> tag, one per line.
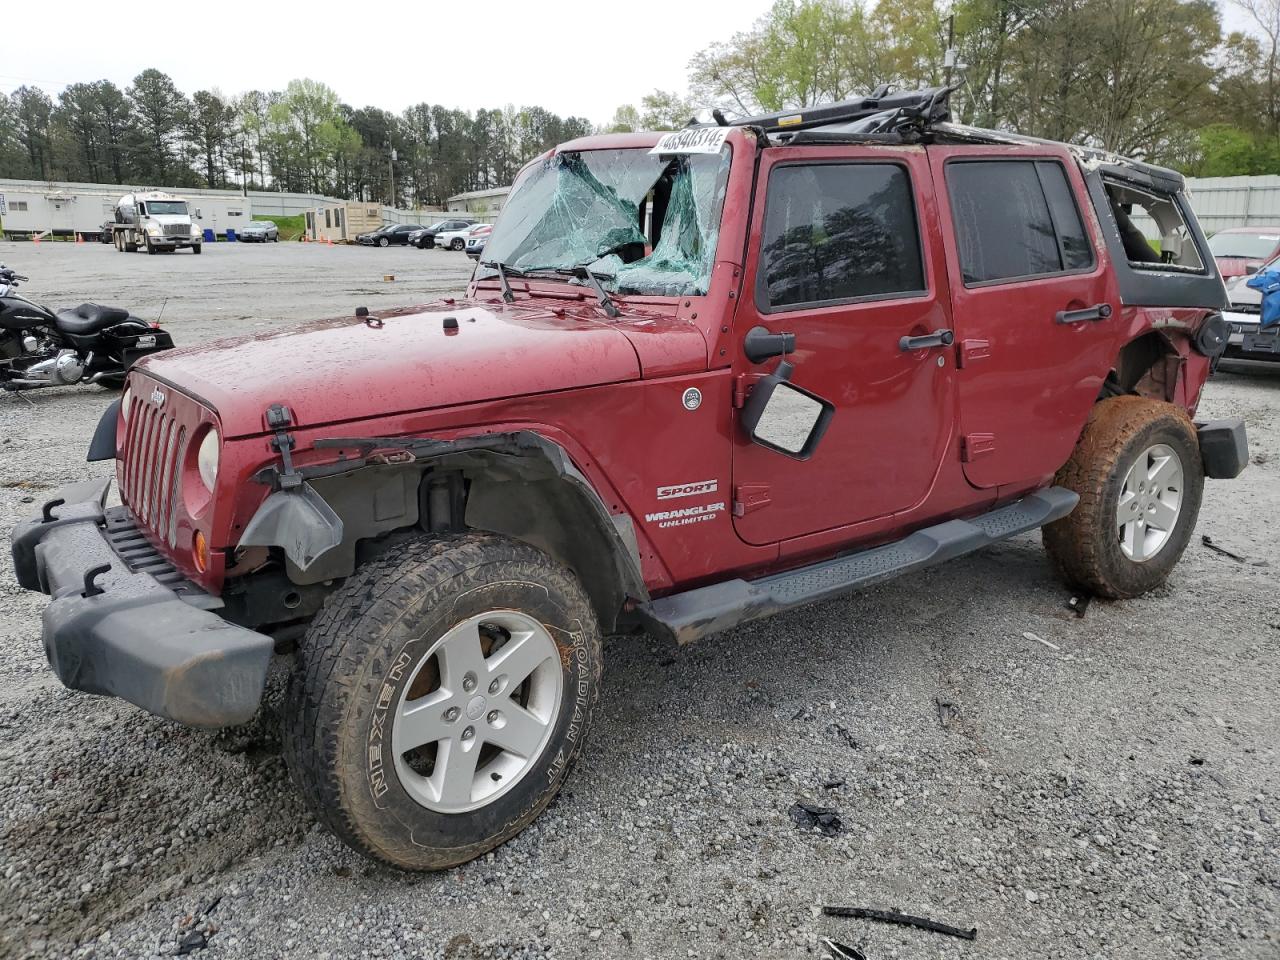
<point x="454" y="239"/>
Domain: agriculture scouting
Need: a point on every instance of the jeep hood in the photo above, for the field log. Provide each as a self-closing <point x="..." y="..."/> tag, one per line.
<point x="347" y="369"/>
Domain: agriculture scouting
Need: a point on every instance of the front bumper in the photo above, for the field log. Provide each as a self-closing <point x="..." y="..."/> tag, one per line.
<point x="137" y="630"/>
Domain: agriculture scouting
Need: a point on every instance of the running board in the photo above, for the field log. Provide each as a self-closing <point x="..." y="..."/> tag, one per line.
<point x="685" y="617"/>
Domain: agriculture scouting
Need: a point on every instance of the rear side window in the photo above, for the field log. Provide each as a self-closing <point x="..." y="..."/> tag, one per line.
<point x="837" y="233"/>
<point x="1015" y="219"/>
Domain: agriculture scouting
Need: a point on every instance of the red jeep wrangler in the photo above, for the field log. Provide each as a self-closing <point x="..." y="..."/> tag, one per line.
<point x="700" y="378"/>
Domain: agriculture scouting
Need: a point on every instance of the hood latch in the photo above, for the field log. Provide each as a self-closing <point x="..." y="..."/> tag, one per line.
<point x="279" y="419"/>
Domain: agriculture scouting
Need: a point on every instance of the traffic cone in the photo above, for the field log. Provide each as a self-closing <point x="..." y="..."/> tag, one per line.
<point x="35" y="238"/>
<point x="79" y="239"/>
<point x="328" y="242"/>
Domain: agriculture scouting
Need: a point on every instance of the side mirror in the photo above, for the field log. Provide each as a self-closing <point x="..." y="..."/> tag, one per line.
<point x="783" y="417"/>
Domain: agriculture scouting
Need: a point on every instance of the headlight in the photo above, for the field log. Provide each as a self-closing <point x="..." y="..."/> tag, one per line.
<point x="126" y="398"/>
<point x="207" y="458"/>
<point x="195" y="230"/>
<point x="153" y="228"/>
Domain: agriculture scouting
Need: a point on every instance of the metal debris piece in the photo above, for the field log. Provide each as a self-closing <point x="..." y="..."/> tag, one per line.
<point x="902" y="919"/>
<point x="842" y="951"/>
<point x="1080" y="605"/>
<point x="948" y="712"/>
<point x="810" y="816"/>
<point x="1208" y="542"/>
<point x="1032" y="636"/>
<point x="192" y="941"/>
<point x="833" y="784"/>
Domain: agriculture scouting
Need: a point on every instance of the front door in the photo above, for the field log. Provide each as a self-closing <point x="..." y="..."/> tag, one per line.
<point x="845" y="254"/>
<point x="1036" y="312"/>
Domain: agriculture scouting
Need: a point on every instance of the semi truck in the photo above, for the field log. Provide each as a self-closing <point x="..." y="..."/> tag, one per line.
<point x="155" y="221"/>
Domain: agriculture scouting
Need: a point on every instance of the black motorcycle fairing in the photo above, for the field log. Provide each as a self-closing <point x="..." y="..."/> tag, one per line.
<point x="17" y="313"/>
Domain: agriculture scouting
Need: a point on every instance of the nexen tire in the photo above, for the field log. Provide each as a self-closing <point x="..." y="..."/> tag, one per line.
<point x="357" y="661"/>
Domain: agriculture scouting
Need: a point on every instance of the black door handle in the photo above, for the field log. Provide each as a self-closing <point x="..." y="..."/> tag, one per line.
<point x="1099" y="312"/>
<point x="939" y="338"/>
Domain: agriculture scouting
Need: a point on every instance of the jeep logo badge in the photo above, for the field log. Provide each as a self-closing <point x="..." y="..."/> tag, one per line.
<point x="157" y="397"/>
<point x="692" y="398"/>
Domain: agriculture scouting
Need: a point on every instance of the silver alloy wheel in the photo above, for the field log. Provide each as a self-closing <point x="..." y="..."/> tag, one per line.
<point x="1150" y="503"/>
<point x="489" y="718"/>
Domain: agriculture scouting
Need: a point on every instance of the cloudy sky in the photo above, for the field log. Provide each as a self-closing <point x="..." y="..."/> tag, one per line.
<point x="569" y="56"/>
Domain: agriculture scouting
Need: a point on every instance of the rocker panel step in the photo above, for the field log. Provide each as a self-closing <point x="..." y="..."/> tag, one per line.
<point x="685" y="617"/>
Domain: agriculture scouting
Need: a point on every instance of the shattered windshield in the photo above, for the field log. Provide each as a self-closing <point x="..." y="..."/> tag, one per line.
<point x="645" y="224"/>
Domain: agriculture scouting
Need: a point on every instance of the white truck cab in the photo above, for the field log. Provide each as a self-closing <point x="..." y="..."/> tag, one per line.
<point x="155" y="221"/>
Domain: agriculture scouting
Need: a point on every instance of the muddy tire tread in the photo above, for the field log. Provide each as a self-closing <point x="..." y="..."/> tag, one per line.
<point x="384" y="590"/>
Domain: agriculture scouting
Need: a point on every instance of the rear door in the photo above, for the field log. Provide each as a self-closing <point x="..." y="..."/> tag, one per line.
<point x="1034" y="304"/>
<point x="845" y="254"/>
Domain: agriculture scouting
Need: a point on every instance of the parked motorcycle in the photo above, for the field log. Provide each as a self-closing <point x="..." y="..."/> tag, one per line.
<point x="88" y="344"/>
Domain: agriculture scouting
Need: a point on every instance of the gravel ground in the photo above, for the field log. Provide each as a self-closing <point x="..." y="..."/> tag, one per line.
<point x="1113" y="795"/>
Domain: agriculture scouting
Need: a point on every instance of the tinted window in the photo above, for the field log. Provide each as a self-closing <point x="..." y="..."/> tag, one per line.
<point x="1015" y="218"/>
<point x="839" y="232"/>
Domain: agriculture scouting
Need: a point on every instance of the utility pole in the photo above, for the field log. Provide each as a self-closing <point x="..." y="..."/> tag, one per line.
<point x="391" y="166"/>
<point x="949" y="57"/>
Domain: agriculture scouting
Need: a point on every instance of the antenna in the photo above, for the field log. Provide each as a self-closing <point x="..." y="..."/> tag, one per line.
<point x="162" y="306"/>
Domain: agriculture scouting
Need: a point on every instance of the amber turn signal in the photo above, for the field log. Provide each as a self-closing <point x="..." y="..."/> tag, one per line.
<point x="200" y="547"/>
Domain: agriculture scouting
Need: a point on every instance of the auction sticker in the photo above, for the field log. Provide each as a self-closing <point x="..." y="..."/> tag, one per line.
<point x="693" y="140"/>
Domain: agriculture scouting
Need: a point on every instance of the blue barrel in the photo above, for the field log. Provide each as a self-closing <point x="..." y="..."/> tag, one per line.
<point x="208" y="235"/>
<point x="231" y="235"/>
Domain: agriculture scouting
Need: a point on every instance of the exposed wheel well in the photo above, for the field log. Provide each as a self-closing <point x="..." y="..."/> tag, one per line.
<point x="1147" y="366"/>
<point x="518" y="485"/>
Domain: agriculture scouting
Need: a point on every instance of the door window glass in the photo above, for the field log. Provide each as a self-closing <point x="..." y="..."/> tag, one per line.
<point x="1015" y="218"/>
<point x="839" y="232"/>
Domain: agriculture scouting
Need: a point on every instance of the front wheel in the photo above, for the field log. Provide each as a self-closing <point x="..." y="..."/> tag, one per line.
<point x="1138" y="470"/>
<point x="457" y="244"/>
<point x="441" y="697"/>
<point x="195" y="248"/>
<point x="384" y="242"/>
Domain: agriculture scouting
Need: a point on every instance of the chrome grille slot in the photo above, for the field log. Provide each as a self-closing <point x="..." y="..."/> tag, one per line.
<point x="176" y="230"/>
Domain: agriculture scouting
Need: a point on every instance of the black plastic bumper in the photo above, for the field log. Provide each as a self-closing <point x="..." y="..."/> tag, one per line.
<point x="136" y="629"/>
<point x="1224" y="448"/>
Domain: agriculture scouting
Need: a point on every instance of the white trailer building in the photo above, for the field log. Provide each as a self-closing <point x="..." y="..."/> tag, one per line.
<point x="33" y="207"/>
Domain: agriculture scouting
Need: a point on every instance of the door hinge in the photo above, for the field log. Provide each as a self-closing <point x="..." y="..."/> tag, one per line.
<point x="742" y="385"/>
<point x="971" y="350"/>
<point x="974" y="445"/>
<point x="748" y="497"/>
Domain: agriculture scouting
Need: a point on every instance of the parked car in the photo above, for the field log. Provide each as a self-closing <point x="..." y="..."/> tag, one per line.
<point x="857" y="354"/>
<point x="476" y="240"/>
<point x="260" y="231"/>
<point x="1248" y="341"/>
<point x="393" y="234"/>
<point x="454" y="237"/>
<point x="425" y="238"/>
<point x="1242" y="250"/>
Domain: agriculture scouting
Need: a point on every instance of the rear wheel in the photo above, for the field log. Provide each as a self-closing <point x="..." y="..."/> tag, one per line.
<point x="1138" y="471"/>
<point x="441" y="697"/>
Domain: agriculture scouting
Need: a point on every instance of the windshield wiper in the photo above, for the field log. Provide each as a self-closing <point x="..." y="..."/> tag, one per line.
<point x="507" y="295"/>
<point x="583" y="272"/>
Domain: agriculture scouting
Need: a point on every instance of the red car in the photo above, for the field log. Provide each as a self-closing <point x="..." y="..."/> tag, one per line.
<point x="1241" y="250"/>
<point x="698" y="378"/>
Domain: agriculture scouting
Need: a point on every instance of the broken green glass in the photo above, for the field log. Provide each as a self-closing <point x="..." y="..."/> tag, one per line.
<point x="593" y="208"/>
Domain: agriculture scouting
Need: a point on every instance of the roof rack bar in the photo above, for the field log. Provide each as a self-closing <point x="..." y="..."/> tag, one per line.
<point x="847" y="111"/>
